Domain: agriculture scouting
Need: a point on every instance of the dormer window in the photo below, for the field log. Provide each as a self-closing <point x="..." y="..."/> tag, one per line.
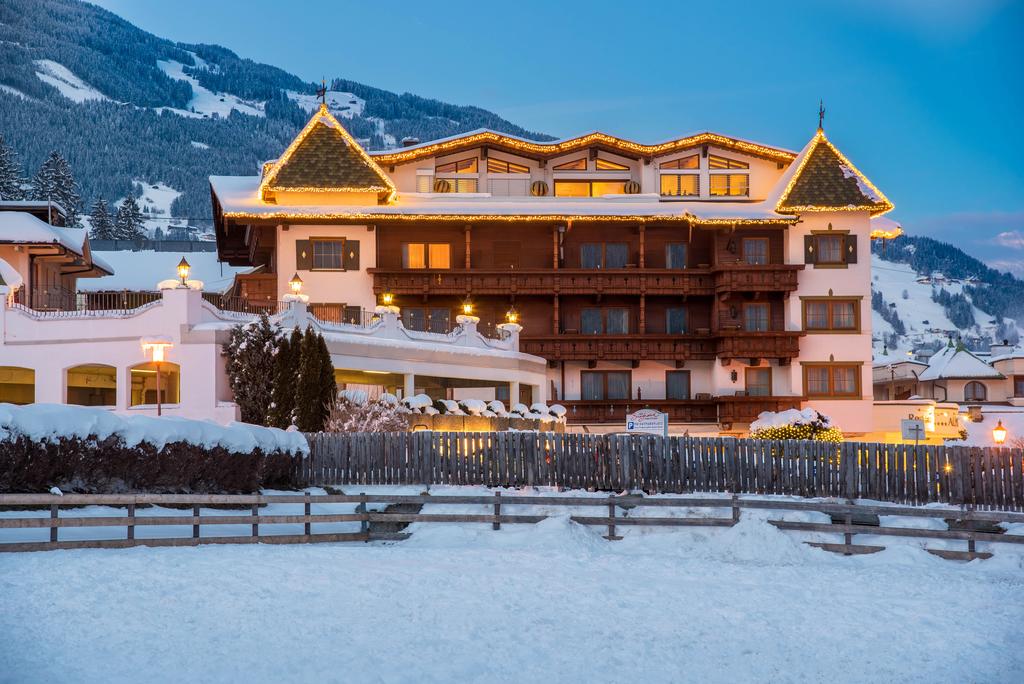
<point x="502" y="166"/>
<point x="727" y="184"/>
<point x="680" y="177"/>
<point x="691" y="162"/>
<point x="715" y="162"/>
<point x="608" y="165"/>
<point x="447" y="178"/>
<point x="574" y="165"/>
<point x="461" y="166"/>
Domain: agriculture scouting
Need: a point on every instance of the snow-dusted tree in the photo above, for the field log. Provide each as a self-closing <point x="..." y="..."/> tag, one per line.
<point x="101" y="222"/>
<point x="349" y="415"/>
<point x="128" y="223"/>
<point x="158" y="234"/>
<point x="315" y="387"/>
<point x="10" y="173"/>
<point x="286" y="367"/>
<point x="55" y="182"/>
<point x="250" y="352"/>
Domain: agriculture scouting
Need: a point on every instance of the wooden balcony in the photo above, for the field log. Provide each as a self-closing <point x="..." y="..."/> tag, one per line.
<point x="760" y="345"/>
<point x="564" y="281"/>
<point x="731" y="409"/>
<point x="576" y="347"/>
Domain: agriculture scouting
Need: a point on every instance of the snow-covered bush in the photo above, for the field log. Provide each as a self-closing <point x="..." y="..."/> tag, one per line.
<point x="497" y="408"/>
<point x="557" y="410"/>
<point x="520" y="409"/>
<point x="795" y="424"/>
<point x="354" y="396"/>
<point x="417" y="403"/>
<point x="473" y="407"/>
<point x="365" y="415"/>
<point x="448" y="407"/>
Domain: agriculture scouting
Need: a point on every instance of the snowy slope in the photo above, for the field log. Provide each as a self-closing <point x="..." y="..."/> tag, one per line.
<point x="340" y="104"/>
<point x="205" y="103"/>
<point x="69" y="85"/>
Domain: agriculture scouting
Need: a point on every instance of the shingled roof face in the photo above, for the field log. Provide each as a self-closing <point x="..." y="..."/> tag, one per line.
<point x="825" y="181"/>
<point x="325" y="160"/>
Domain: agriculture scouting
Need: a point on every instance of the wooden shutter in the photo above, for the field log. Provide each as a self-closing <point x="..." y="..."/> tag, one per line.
<point x="851" y="248"/>
<point x="810" y="254"/>
<point x="350" y="259"/>
<point x="303" y="255"/>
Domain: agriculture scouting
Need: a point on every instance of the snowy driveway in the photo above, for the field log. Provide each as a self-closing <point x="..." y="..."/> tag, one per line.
<point x="552" y="602"/>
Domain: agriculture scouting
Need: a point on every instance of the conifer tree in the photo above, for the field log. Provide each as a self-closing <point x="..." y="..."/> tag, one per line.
<point x="99" y="219"/>
<point x="55" y="182"/>
<point x="315" y="387"/>
<point x="10" y="173"/>
<point x="286" y="368"/>
<point x="250" y="352"/>
<point x="158" y="234"/>
<point x="328" y="385"/>
<point x="128" y="223"/>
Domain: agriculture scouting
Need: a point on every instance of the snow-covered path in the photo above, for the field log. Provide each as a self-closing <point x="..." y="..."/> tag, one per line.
<point x="552" y="602"/>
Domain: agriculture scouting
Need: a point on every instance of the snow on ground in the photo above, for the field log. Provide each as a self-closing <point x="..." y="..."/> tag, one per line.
<point x="547" y="602"/>
<point x="205" y="102"/>
<point x="156" y="202"/>
<point x="14" y="91"/>
<point x="142" y="270"/>
<point x="69" y="85"/>
<point x="340" y="104"/>
<point x="199" y="145"/>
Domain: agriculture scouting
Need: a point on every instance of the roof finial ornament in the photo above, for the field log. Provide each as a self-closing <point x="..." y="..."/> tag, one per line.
<point x="321" y="92"/>
<point x="821" y="115"/>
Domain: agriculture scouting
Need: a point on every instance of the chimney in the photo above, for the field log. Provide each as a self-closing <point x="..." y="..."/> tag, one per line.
<point x="1001" y="349"/>
<point x="409" y="141"/>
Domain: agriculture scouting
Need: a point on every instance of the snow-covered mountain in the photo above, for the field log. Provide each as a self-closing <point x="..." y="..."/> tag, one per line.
<point x="131" y="110"/>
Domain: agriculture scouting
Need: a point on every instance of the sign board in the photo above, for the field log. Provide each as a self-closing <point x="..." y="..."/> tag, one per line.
<point x="912" y="429"/>
<point x="648" y="421"/>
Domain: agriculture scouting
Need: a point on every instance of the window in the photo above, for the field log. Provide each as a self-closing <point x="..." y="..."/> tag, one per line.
<point x="600" y="385"/>
<point x="1018" y="385"/>
<point x="502" y="166"/>
<point x="328" y="255"/>
<point x="680" y="184"/>
<point x="675" y="255"/>
<point x="144" y="384"/>
<point x="575" y="165"/>
<point x="575" y="188"/>
<point x="675" y="321"/>
<point x="604" y="255"/>
<point x="611" y="321"/>
<point x="755" y="251"/>
<point x="975" y="391"/>
<point x="832" y="380"/>
<point x="608" y="165"/>
<point x="17" y="385"/>
<point x="729" y="184"/>
<point x="832" y="314"/>
<point x="829" y="249"/>
<point x="424" y="183"/>
<point x="677" y="384"/>
<point x="755" y="317"/>
<point x="426" y="319"/>
<point x="758" y="382"/>
<point x="454" y="184"/>
<point x="461" y="166"/>
<point x="691" y="162"/>
<point x="715" y="162"/>
<point x="92" y="385"/>
<point x="426" y="255"/>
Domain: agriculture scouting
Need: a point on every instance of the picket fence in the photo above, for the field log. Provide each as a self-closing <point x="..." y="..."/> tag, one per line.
<point x="986" y="478"/>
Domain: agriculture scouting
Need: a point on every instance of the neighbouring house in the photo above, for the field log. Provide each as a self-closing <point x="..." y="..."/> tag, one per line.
<point x="709" y="277"/>
<point x="895" y="377"/>
<point x="955" y="374"/>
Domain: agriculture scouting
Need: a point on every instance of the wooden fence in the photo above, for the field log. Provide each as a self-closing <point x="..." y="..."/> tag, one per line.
<point x="622" y="511"/>
<point x="899" y="473"/>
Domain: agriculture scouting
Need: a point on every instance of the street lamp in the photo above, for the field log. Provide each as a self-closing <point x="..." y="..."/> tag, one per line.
<point x="295" y="284"/>
<point x="999" y="433"/>
<point x="156" y="346"/>
<point x="467" y="306"/>
<point x="388" y="298"/>
<point x="512" y="316"/>
<point x="183" y="270"/>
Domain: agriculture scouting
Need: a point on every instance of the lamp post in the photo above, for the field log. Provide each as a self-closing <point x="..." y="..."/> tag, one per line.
<point x="183" y="270"/>
<point x="295" y="284"/>
<point x="999" y="433"/>
<point x="467" y="306"/>
<point x="512" y="316"/>
<point x="156" y="346"/>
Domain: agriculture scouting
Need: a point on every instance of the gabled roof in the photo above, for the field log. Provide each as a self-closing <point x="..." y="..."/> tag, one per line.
<point x="822" y="179"/>
<point x="956" y="363"/>
<point x="547" y="150"/>
<point x="323" y="157"/>
<point x="22" y="228"/>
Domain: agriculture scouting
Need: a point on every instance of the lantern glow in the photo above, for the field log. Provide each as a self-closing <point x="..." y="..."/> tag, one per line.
<point x="467" y="306"/>
<point x="999" y="433"/>
<point x="295" y="284"/>
<point x="183" y="270"/>
<point x="512" y="316"/>
<point x="387" y="299"/>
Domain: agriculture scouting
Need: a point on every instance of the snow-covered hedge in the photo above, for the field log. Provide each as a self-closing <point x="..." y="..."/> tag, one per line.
<point x="795" y="424"/>
<point x="423" y="404"/>
<point x="78" y="448"/>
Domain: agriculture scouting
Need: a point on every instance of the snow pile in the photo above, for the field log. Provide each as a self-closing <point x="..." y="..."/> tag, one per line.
<point x="46" y="422"/>
<point x="497" y="408"/>
<point x="473" y="407"/>
<point x="807" y="416"/>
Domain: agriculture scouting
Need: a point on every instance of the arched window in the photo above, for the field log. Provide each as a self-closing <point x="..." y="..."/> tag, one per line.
<point x="17" y="385"/>
<point x="92" y="384"/>
<point x="144" y="381"/>
<point x="975" y="391"/>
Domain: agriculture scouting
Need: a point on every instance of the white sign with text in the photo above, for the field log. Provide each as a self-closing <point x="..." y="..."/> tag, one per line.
<point x="648" y="421"/>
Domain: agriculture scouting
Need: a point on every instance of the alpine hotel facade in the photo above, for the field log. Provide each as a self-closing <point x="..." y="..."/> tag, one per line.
<point x="708" y="277"/>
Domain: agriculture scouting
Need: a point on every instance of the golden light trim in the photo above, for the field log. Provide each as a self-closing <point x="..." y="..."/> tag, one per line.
<point x="880" y="234"/>
<point x="509" y="218"/>
<point x="819" y="138"/>
<point x="566" y="146"/>
<point x="323" y="116"/>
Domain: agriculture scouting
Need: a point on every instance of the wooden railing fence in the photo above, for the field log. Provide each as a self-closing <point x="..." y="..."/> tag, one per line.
<point x="622" y="511"/>
<point x="986" y="478"/>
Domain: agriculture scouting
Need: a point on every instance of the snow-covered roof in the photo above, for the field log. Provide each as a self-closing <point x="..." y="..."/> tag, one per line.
<point x="957" y="363"/>
<point x="883" y="360"/>
<point x="1015" y="353"/>
<point x="239" y="198"/>
<point x="9" y="274"/>
<point x="20" y="227"/>
<point x="31" y="204"/>
<point x="143" y="269"/>
<point x="885" y="227"/>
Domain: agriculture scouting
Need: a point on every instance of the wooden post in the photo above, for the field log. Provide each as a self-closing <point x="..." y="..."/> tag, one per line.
<point x="611" y="518"/>
<point x="554" y="323"/>
<point x="157" y="388"/>
<point x="307" y="509"/>
<point x="735" y="509"/>
<point x="554" y="247"/>
<point x="364" y="522"/>
<point x="469" y="243"/>
<point x="54" y="516"/>
<point x="195" y="522"/>
<point x="848" y="535"/>
<point x="643" y="313"/>
<point x="642" y="260"/>
<point x="131" y="521"/>
<point x="496" y="525"/>
<point x="255" y="525"/>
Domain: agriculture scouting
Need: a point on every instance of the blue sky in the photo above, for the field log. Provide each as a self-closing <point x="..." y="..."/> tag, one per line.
<point x="925" y="96"/>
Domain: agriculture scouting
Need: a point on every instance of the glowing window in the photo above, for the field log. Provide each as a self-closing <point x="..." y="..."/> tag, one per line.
<point x="691" y="162"/>
<point x="502" y="166"/>
<point x="575" y="165"/>
<point x="145" y="380"/>
<point x="725" y="163"/>
<point x="729" y="184"/>
<point x="92" y="385"/>
<point x="680" y="184"/>
<point x="461" y="166"/>
<point x="17" y="385"/>
<point x="608" y="165"/>
<point x="426" y="255"/>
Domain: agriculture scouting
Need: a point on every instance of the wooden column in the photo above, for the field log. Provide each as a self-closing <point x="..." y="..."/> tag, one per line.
<point x="554" y="247"/>
<point x="642" y="245"/>
<point x="643" y="314"/>
<point x="469" y="246"/>
<point x="554" y="317"/>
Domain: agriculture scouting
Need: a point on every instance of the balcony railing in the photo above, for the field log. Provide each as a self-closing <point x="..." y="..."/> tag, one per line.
<point x="566" y="281"/>
<point x="571" y="347"/>
<point x="768" y="345"/>
<point x="57" y="302"/>
<point x="729" y="409"/>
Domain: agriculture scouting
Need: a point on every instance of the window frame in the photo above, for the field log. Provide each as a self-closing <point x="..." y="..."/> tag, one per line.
<point x="728" y="175"/>
<point x="759" y="240"/>
<point x="313" y="241"/>
<point x="832" y="235"/>
<point x="831" y="366"/>
<point x="750" y="370"/>
<point x="976" y="383"/>
<point x="426" y="256"/>
<point x="609" y="165"/>
<point x="830" y="304"/>
<point x="590" y="183"/>
<point x="747" y="306"/>
<point x="571" y="165"/>
<point x="508" y="166"/>
<point x="677" y="175"/>
<point x="1018" y="385"/>
<point x="604" y="256"/>
<point x="675" y="164"/>
<point x="604" y="384"/>
<point x="668" y="320"/>
<point x="689" y="384"/>
<point x="603" y="311"/>
<point x="686" y="255"/>
<point x="440" y="168"/>
<point x="730" y="163"/>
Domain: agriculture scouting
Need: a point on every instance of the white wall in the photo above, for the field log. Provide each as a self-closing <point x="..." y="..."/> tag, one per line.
<point x="354" y="288"/>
